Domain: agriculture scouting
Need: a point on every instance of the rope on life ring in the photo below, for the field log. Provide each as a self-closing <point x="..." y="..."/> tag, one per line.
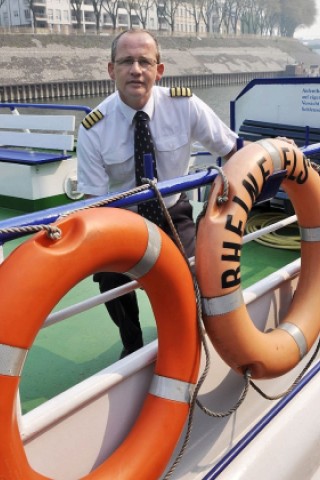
<point x="105" y="239"/>
<point x="218" y="248"/>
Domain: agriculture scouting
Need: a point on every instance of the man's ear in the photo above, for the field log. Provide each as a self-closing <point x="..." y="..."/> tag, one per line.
<point x="111" y="70"/>
<point x="160" y="71"/>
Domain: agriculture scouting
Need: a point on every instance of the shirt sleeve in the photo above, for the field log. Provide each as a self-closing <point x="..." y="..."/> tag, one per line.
<point x="208" y="129"/>
<point x="92" y="177"/>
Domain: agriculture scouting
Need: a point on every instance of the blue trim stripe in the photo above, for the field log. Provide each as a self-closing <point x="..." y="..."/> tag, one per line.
<point x="278" y="81"/>
<point x="250" y="436"/>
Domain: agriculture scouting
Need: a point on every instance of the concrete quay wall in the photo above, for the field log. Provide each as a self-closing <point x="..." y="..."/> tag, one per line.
<point x="54" y="66"/>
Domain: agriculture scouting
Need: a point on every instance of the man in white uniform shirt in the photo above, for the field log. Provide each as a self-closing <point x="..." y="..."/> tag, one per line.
<point x="105" y="149"/>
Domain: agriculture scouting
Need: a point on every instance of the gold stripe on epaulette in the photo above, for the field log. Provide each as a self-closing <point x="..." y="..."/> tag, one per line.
<point x="180" y="92"/>
<point x="92" y="118"/>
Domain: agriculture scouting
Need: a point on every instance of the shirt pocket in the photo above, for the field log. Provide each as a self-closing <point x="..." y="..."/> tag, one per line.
<point x="172" y="143"/>
<point x="173" y="156"/>
<point x="119" y="165"/>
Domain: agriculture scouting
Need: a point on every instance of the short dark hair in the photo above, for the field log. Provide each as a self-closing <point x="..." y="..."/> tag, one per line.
<point x="115" y="41"/>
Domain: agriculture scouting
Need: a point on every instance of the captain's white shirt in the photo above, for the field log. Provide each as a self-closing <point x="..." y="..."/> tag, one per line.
<point x="106" y="150"/>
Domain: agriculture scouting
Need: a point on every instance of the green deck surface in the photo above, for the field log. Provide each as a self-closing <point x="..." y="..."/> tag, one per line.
<point x="72" y="350"/>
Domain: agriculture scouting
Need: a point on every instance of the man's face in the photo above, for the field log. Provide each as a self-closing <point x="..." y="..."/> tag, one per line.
<point x="135" y="69"/>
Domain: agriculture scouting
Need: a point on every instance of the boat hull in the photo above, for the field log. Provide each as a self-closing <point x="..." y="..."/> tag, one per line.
<point x="85" y="418"/>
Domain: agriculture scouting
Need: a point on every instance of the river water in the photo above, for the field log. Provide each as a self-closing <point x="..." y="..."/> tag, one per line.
<point x="218" y="98"/>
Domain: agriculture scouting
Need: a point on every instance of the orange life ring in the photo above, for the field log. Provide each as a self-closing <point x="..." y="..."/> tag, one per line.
<point x="104" y="239"/>
<point x="218" y="248"/>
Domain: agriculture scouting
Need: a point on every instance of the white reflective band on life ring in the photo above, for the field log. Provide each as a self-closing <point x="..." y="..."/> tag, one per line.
<point x="310" y="234"/>
<point x="12" y="360"/>
<point x="297" y="336"/>
<point x="151" y="254"/>
<point x="224" y="304"/>
<point x="171" y="389"/>
<point x="273" y="152"/>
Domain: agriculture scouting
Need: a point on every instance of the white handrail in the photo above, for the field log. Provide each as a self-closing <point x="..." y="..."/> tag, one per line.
<point x="270" y="228"/>
<point x="249" y="294"/>
<point x="130" y="286"/>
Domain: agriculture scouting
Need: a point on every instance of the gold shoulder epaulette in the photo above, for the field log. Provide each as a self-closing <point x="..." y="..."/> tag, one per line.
<point x="180" y="92"/>
<point x="92" y="118"/>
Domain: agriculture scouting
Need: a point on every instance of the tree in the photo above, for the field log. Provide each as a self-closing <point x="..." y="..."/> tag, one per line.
<point x="219" y="14"/>
<point x="32" y="8"/>
<point x="76" y="6"/>
<point x="35" y="10"/>
<point x="138" y="11"/>
<point x="284" y="16"/>
<point x="166" y="10"/>
<point x="207" y="10"/>
<point x="128" y="6"/>
<point x="141" y="8"/>
<point x="1" y="3"/>
<point x="294" y="14"/>
<point x="235" y="9"/>
<point x="250" y="15"/>
<point x="195" y="8"/>
<point x="231" y="12"/>
<point x="97" y="6"/>
<point x="271" y="16"/>
<point x="111" y="7"/>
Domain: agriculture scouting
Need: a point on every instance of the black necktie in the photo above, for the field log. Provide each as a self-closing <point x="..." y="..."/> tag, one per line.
<point x="143" y="144"/>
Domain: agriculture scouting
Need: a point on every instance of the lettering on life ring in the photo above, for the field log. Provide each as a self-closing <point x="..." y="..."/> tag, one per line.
<point x="218" y="252"/>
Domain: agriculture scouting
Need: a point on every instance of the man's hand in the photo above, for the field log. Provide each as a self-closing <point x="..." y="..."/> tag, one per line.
<point x="288" y="140"/>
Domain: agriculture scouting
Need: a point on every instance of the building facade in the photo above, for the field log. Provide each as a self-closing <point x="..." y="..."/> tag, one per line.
<point x="14" y="13"/>
<point x="59" y="16"/>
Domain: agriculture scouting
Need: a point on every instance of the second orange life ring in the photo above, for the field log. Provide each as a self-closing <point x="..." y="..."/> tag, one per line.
<point x="218" y="248"/>
<point x="95" y="240"/>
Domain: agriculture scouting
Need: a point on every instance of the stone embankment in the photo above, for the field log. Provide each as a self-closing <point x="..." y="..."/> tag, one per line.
<point x="46" y="58"/>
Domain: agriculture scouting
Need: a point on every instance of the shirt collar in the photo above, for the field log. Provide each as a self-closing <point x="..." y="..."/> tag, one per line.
<point x="129" y="112"/>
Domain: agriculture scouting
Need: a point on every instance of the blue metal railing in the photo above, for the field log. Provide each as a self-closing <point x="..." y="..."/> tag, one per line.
<point x="45" y="106"/>
<point x="50" y="215"/>
<point x="166" y="188"/>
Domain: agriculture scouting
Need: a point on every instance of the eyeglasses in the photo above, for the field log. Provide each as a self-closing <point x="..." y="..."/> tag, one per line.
<point x="144" y="63"/>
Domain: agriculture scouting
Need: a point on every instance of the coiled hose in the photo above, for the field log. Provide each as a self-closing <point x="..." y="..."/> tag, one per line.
<point x="287" y="237"/>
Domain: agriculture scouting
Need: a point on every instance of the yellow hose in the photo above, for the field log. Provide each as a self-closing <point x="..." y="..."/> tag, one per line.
<point x="282" y="238"/>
